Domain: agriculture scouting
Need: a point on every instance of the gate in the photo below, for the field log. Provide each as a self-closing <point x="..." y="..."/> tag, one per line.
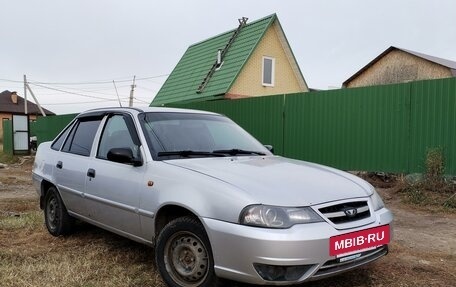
<point x="21" y="134"/>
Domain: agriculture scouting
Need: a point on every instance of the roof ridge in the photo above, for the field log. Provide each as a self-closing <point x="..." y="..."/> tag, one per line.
<point x="438" y="60"/>
<point x="274" y="15"/>
<point x="6" y="105"/>
<point x="273" y="19"/>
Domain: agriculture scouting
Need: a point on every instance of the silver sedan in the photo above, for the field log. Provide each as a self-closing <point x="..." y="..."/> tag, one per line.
<point x="212" y="200"/>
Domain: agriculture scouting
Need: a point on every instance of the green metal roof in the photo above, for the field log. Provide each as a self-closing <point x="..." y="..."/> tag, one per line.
<point x="183" y="82"/>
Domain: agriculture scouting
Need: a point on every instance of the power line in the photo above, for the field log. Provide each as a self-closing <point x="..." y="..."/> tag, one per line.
<point x="87" y="82"/>
<point x="147" y="89"/>
<point x="97" y="82"/>
<point x="68" y="92"/>
<point x="139" y="100"/>
<point x="12" y="81"/>
<point x="91" y="102"/>
<point x="85" y="91"/>
<point x="77" y="103"/>
<point x="49" y="86"/>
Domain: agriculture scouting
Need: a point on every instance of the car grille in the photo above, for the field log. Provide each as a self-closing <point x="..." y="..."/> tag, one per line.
<point x="346" y="212"/>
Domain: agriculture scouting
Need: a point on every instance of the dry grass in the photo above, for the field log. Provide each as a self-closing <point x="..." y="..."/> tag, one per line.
<point x="29" y="256"/>
<point x="7" y="158"/>
<point x="430" y="194"/>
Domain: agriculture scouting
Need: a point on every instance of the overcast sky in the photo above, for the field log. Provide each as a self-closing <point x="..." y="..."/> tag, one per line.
<point x="65" y="45"/>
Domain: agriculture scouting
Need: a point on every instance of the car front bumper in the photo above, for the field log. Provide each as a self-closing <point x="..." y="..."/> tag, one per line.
<point x="237" y="249"/>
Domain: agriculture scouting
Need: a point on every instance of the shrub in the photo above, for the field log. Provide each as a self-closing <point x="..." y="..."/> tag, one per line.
<point x="434" y="175"/>
<point x="432" y="189"/>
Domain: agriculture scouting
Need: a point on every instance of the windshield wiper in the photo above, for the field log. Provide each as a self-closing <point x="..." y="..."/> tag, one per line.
<point x="188" y="153"/>
<point x="236" y="151"/>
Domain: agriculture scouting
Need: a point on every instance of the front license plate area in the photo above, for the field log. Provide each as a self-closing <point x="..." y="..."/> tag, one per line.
<point x="349" y="257"/>
<point x="359" y="240"/>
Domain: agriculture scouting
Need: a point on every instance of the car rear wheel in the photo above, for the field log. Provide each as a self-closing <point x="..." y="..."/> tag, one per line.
<point x="183" y="254"/>
<point x="58" y="221"/>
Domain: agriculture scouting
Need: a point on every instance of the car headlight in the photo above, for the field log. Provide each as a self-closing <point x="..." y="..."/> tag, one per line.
<point x="277" y="217"/>
<point x="377" y="201"/>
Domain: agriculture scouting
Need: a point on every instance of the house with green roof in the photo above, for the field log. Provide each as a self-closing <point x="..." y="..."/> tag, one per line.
<point x="255" y="59"/>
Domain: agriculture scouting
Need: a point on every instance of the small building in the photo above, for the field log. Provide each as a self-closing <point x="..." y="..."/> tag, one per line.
<point x="396" y="65"/>
<point x="12" y="104"/>
<point x="253" y="60"/>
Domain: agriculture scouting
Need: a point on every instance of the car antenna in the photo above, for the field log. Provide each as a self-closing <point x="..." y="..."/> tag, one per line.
<point x="115" y="87"/>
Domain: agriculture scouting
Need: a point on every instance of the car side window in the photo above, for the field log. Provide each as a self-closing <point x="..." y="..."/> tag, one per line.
<point x="57" y="144"/>
<point x="117" y="134"/>
<point x="80" y="139"/>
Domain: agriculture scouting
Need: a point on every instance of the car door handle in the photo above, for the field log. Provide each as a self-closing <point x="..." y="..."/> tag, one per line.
<point x="59" y="164"/>
<point x="91" y="173"/>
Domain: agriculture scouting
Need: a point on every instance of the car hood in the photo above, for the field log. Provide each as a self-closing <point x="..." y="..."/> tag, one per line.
<point x="279" y="181"/>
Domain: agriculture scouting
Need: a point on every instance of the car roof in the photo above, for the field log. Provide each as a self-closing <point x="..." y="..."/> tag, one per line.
<point x="101" y="111"/>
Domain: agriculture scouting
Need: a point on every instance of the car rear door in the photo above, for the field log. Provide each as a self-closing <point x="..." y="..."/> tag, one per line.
<point x="70" y="166"/>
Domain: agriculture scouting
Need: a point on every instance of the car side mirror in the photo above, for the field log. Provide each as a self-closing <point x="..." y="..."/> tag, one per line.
<point x="123" y="155"/>
<point x="269" y="147"/>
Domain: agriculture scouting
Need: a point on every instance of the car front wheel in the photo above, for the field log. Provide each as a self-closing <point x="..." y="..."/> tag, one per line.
<point x="56" y="217"/>
<point x="183" y="254"/>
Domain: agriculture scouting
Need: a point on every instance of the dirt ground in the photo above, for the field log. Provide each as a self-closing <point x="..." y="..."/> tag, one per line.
<point x="423" y="251"/>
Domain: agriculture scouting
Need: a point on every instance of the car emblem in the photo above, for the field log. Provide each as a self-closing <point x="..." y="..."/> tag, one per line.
<point x="350" y="211"/>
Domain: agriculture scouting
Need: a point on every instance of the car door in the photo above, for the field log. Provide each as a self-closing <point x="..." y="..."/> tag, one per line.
<point x="72" y="161"/>
<point x="112" y="189"/>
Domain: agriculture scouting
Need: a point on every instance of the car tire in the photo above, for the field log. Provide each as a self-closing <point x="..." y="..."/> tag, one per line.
<point x="183" y="254"/>
<point x="58" y="221"/>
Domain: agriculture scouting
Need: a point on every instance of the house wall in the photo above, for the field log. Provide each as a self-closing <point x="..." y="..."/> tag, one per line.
<point x="249" y="81"/>
<point x="399" y="67"/>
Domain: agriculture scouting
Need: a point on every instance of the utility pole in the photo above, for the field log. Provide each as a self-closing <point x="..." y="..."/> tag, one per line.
<point x="130" y="104"/>
<point x="27" y="87"/>
<point x="36" y="100"/>
<point x="25" y="95"/>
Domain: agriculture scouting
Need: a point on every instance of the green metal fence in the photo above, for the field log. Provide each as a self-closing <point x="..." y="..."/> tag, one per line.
<point x="383" y="128"/>
<point x="262" y="117"/>
<point x="44" y="128"/>
<point x="47" y="128"/>
<point x="7" y="137"/>
<point x="352" y="129"/>
<point x="433" y="122"/>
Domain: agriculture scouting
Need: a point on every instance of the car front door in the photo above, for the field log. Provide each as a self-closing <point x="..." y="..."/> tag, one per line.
<point x="112" y="189"/>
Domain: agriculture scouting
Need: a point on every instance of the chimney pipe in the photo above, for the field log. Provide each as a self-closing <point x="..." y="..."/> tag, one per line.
<point x="14" y="97"/>
<point x="219" y="57"/>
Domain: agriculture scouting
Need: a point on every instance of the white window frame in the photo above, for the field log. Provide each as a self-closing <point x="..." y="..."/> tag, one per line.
<point x="272" y="71"/>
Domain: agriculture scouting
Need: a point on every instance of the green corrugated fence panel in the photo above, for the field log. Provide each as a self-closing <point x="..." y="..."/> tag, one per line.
<point x="7" y="137"/>
<point x="47" y="128"/>
<point x="433" y="122"/>
<point x="351" y="129"/>
<point x="382" y="128"/>
<point x="262" y="116"/>
<point x="32" y="127"/>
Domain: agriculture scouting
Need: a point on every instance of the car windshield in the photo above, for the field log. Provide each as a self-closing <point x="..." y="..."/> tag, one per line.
<point x="188" y="135"/>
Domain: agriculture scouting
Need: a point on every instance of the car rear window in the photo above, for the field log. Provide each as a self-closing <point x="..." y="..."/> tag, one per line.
<point x="81" y="138"/>
<point x="57" y="144"/>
